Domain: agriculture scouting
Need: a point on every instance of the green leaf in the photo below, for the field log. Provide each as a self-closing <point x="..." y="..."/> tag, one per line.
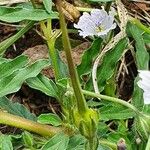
<point x="108" y="65"/>
<point x="146" y="38"/>
<point x="50" y="118"/>
<point x="48" y="5"/>
<point x="13" y="14"/>
<point x="76" y="143"/>
<point x="5" y="142"/>
<point x="142" y="57"/>
<point x="16" y="109"/>
<point x="13" y="82"/>
<point x="103" y="147"/>
<point x="102" y="129"/>
<point x="7" y="68"/>
<point x="142" y="62"/>
<point x="58" y="142"/>
<point x="43" y="84"/>
<point x="88" y="57"/>
<point x="2" y="60"/>
<point x="114" y="111"/>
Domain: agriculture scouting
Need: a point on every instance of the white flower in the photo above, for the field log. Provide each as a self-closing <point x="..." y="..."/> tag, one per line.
<point x="144" y="84"/>
<point x="97" y="23"/>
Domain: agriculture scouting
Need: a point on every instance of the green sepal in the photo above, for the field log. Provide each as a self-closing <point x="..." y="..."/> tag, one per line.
<point x="143" y="126"/>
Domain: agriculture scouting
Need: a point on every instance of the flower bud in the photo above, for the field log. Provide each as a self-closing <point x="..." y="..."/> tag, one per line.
<point x="87" y="124"/>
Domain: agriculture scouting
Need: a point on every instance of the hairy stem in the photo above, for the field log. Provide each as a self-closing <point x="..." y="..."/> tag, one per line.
<point x="48" y="33"/>
<point x="112" y="99"/>
<point x="53" y="56"/>
<point x="81" y="103"/>
<point x="19" y="122"/>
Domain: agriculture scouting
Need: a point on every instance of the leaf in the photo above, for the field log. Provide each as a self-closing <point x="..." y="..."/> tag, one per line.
<point x="114" y="111"/>
<point x="2" y="60"/>
<point x="146" y="38"/>
<point x="13" y="82"/>
<point x="104" y="147"/>
<point x="50" y="118"/>
<point x="88" y="57"/>
<point x="142" y="56"/>
<point x="109" y="64"/>
<point x="5" y="142"/>
<point x="58" y="142"/>
<point x="16" y="109"/>
<point x="102" y="129"/>
<point x="15" y="14"/>
<point x="43" y="84"/>
<point x="76" y="143"/>
<point x="48" y="5"/>
<point x="7" y="68"/>
<point x="142" y="62"/>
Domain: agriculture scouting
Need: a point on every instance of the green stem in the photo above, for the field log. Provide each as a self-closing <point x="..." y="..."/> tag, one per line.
<point x="19" y="122"/>
<point x="148" y="144"/>
<point x="8" y="42"/>
<point x="81" y="102"/>
<point x="140" y="25"/>
<point x="112" y="99"/>
<point x="47" y="31"/>
<point x="53" y="56"/>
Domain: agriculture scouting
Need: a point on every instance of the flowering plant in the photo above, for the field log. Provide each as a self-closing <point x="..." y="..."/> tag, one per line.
<point x="86" y="111"/>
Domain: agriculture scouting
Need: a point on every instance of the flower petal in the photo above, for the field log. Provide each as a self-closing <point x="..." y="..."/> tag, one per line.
<point x="98" y="16"/>
<point x="144" y="84"/>
<point x="97" y="23"/>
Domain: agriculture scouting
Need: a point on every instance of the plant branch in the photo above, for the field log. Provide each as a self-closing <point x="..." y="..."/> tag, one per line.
<point x="112" y="99"/>
<point x="19" y="122"/>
